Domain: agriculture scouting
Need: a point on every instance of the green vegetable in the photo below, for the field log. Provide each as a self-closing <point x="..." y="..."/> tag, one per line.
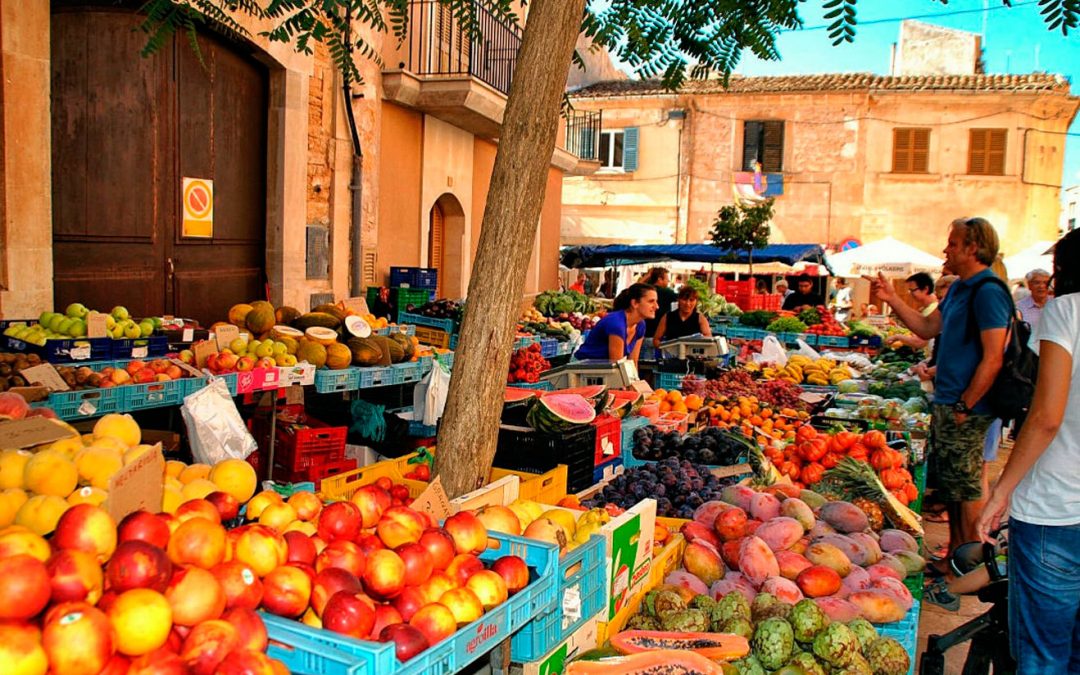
<point x="554" y="303"/>
<point x="757" y="319"/>
<point x="786" y="324"/>
<point x="859" y="329"/>
<point x="810" y="316"/>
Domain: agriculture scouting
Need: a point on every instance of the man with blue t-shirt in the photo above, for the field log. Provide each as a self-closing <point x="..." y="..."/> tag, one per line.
<point x="970" y="325"/>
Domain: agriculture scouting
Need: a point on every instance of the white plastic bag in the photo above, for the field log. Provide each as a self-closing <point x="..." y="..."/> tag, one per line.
<point x="771" y="352"/>
<point x="806" y="350"/>
<point x="429" y="394"/>
<point x="215" y="430"/>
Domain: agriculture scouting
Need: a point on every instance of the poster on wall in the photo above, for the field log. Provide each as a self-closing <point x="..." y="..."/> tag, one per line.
<point x="198" y="204"/>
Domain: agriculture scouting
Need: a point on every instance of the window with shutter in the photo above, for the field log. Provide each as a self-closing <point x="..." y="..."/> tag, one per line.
<point x="619" y="150"/>
<point x="986" y="152"/>
<point x="763" y="141"/>
<point x="911" y="150"/>
<point x="435" y="243"/>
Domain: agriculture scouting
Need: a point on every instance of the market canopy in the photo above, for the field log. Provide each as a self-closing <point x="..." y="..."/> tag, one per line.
<point x="620" y="254"/>
<point x="889" y="256"/>
<point x="1037" y="256"/>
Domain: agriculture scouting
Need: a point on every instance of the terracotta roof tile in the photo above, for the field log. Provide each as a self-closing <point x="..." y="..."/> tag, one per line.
<point x="834" y="82"/>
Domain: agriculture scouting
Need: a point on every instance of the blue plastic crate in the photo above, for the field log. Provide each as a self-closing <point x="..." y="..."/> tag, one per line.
<point x="331" y="381"/>
<point x="73" y="350"/>
<point x="629" y="426"/>
<point x="409" y="329"/>
<point x="378" y="376"/>
<point x="446" y="325"/>
<point x="809" y="338"/>
<point x="454" y="341"/>
<point x="524" y="341"/>
<point x="151" y="347"/>
<point x="471" y="641"/>
<point x="564" y="348"/>
<point x="73" y="405"/>
<point x="409" y="371"/>
<point x="305" y="656"/>
<point x="668" y="381"/>
<point x="414" y="277"/>
<point x="841" y="341"/>
<point x="542" y="385"/>
<point x="230" y="381"/>
<point x="448" y="359"/>
<point x="580" y="571"/>
<point x="873" y="341"/>
<point x="425" y="363"/>
<point x="906" y="632"/>
<point x="194" y="384"/>
<point x="153" y="395"/>
<point x="549" y="347"/>
<point x="742" y="332"/>
<point x="599" y="471"/>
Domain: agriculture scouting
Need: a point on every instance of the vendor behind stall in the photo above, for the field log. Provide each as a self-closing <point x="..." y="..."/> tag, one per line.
<point x="620" y="334"/>
<point x="683" y="322"/>
<point x="804" y="296"/>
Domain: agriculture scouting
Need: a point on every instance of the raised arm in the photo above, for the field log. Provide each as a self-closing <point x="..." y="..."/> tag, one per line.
<point x="925" y="327"/>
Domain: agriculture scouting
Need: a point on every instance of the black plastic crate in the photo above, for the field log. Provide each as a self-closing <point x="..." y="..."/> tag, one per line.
<point x="524" y="449"/>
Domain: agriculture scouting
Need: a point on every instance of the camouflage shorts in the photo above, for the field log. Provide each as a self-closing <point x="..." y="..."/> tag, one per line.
<point x="956" y="454"/>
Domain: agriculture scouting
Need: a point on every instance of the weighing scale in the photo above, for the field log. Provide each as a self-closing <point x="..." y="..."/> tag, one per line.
<point x="614" y="375"/>
<point x="695" y="345"/>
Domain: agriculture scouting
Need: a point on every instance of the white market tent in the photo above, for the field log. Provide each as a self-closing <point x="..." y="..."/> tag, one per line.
<point x="889" y="256"/>
<point x="1033" y="257"/>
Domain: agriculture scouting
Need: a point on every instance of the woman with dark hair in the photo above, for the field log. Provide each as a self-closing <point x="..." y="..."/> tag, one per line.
<point x="1042" y="482"/>
<point x="684" y="321"/>
<point x="620" y="334"/>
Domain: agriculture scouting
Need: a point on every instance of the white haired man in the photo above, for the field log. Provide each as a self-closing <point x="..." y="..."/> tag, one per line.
<point x="1038" y="283"/>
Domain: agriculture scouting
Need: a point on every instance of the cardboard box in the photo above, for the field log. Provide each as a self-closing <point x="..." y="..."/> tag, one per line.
<point x="554" y="662"/>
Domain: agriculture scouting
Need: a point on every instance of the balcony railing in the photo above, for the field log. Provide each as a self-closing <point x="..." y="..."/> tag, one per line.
<point x="583" y="134"/>
<point x="439" y="45"/>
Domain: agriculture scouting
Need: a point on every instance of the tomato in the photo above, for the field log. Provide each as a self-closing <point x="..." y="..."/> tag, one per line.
<point x="858" y="451"/>
<point x="812" y="473"/>
<point x="806" y="432"/>
<point x="830" y="460"/>
<point x="813" y="450"/>
<point x="845" y="439"/>
<point x="874" y="439"/>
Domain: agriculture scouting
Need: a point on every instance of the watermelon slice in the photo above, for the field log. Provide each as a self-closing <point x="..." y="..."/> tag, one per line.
<point x="557" y="413"/>
<point x="591" y="392"/>
<point x="625" y="402"/>
<point x="515" y="395"/>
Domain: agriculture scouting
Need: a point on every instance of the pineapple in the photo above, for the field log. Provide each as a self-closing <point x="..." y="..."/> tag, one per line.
<point x="860" y="480"/>
<point x="872" y="511"/>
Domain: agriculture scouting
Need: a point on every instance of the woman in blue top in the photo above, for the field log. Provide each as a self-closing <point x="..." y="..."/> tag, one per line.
<point x="620" y="333"/>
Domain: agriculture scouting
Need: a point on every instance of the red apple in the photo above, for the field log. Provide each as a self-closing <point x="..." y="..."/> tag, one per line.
<point x="408" y="641"/>
<point x="144" y="526"/>
<point x="372" y="501"/>
<point x="227" y="506"/>
<point x="418" y="564"/>
<point x="409" y="601"/>
<point x="348" y="614"/>
<point x="75" y="576"/>
<point x="385" y="615"/>
<point x="369" y="543"/>
<point x="440" y="545"/>
<point x="344" y="554"/>
<point x="514" y="572"/>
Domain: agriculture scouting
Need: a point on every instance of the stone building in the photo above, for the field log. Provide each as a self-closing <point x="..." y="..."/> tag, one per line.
<point x="101" y="150"/>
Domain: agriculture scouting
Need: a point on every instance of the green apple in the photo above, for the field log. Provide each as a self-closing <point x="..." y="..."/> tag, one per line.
<point x="120" y="313"/>
<point x="65" y="325"/>
<point x="266" y="348"/>
<point x="280" y="348"/>
<point x="77" y="310"/>
<point x="132" y="331"/>
<point x="77" y="328"/>
<point x="54" y="322"/>
<point x="110" y="322"/>
<point x="45" y="317"/>
<point x="146" y="326"/>
<point x="117" y="331"/>
<point x="157" y="322"/>
<point x="238" y="345"/>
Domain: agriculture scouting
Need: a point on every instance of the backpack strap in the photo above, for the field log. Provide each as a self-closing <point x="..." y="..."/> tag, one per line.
<point x="972" y="330"/>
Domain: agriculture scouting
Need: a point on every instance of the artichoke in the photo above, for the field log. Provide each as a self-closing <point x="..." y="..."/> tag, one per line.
<point x="767" y="605"/>
<point x="736" y="626"/>
<point x="858" y="666"/>
<point x="837" y="645"/>
<point x="643" y="622"/>
<point x="749" y="665"/>
<point x="665" y="602"/>
<point x="704" y="603"/>
<point x="685" y="621"/>
<point x="773" y="643"/>
<point x="807" y="620"/>
<point x="731" y="606"/>
<point x="886" y="656"/>
<point x="865" y="631"/>
<point x="808" y="663"/>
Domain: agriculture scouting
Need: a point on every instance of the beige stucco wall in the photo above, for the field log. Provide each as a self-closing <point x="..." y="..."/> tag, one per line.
<point x="837" y="167"/>
<point x="926" y="49"/>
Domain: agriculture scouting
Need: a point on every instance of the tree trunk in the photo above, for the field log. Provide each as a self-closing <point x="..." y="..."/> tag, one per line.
<point x="470" y="423"/>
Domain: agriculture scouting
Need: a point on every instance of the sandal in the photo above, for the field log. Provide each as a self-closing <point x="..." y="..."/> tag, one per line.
<point x="938" y="594"/>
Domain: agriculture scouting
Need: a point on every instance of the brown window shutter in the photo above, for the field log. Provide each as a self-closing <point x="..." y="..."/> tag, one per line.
<point x="920" y="150"/>
<point x="773" y="147"/>
<point x="986" y="151"/>
<point x="901" y="150"/>
<point x="995" y="152"/>
<point x="435" y="242"/>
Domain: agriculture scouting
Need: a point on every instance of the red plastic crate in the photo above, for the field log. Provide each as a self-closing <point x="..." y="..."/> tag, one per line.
<point x="769" y="303"/>
<point x="731" y="288"/>
<point x="608" y="439"/>
<point x="297" y="448"/>
<point x="315" y="473"/>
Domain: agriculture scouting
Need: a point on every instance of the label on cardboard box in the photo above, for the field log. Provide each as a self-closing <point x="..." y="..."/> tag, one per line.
<point x="433" y="501"/>
<point x="46" y="376"/>
<point x="203" y="351"/>
<point x="225" y="334"/>
<point x="26" y="433"/>
<point x="96" y="325"/>
<point x="357" y="305"/>
<point x="137" y="485"/>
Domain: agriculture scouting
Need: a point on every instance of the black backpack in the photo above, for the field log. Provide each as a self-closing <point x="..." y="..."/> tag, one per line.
<point x="1014" y="387"/>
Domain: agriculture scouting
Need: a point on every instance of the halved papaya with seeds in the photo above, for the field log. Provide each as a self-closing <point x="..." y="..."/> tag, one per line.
<point x="715" y="646"/>
<point x="658" y="662"/>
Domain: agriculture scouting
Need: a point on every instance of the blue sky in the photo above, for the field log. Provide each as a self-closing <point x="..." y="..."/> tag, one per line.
<point x="1015" y="40"/>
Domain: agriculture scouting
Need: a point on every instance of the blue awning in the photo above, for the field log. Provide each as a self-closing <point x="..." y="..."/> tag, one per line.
<point x="619" y="254"/>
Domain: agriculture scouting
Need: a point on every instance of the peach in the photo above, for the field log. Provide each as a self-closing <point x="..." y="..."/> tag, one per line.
<point x="408" y="601"/>
<point x="206" y="647"/>
<point x="470" y="535"/>
<point x="16" y="540"/>
<point x="340" y="520"/>
<point x="158" y="662"/>
<point x="89" y="528"/>
<point x="142" y="621"/>
<point x="499" y="519"/>
<point x="489" y="587"/>
<point x="246" y="662"/>
<point x="418" y="565"/>
<point x="385" y="615"/>
<point x="371" y="542"/>
<point x="408" y="641"/>
<point x="226" y="505"/>
<point x="144" y="526"/>
<point x="306" y="505"/>
<point x="384" y="576"/>
<point x="198" y="508"/>
<point x="195" y="596"/>
<point x="514" y="572"/>
<point x="137" y="564"/>
<point x="77" y="639"/>
<point x="401" y="525"/>
<point x="464" y="604"/>
<point x="277" y="516"/>
<point x="260" y="547"/>
<point x="250" y="629"/>
<point x="26" y="588"/>
<point x="348" y="614"/>
<point x="818" y="581"/>
<point x="287" y="591"/>
<point x="240" y="584"/>
<point x="439" y="583"/>
<point x="300" y="547"/>
<point x="435" y="621"/>
<point x="21" y="651"/>
<point x="75" y="576"/>
<point x="372" y="501"/>
<point x="440" y="545"/>
<point x="344" y="554"/>
<point x="463" y="566"/>
<point x="330" y="581"/>
<point x="198" y="542"/>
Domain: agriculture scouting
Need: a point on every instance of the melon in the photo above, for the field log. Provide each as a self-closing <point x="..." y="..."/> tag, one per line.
<point x="312" y="352"/>
<point x="338" y="356"/>
<point x="323" y="336"/>
<point x="391" y="347"/>
<point x="556" y="413"/>
<point x="238" y="314"/>
<point x="333" y="310"/>
<point x="365" y="351"/>
<point x="320" y="319"/>
<point x="406" y="344"/>
<point x="357" y="327"/>
<point x="279" y="332"/>
<point x="286" y="314"/>
<point x="261" y="318"/>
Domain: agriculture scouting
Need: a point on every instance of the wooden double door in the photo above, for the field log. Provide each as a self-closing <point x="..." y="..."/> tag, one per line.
<point x="126" y="131"/>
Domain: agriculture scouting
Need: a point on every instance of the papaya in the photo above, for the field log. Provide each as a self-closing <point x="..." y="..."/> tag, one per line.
<point x="659" y="662"/>
<point x="716" y="646"/>
<point x="365" y="351"/>
<point x="316" y="319"/>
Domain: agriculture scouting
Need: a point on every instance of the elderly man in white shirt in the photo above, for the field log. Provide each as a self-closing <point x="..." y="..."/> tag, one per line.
<point x="1038" y="282"/>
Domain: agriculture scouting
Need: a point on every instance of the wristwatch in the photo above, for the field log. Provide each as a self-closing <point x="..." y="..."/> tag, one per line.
<point x="961" y="408"/>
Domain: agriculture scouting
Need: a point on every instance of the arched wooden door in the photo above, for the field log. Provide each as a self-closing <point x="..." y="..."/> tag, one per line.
<point x="126" y="130"/>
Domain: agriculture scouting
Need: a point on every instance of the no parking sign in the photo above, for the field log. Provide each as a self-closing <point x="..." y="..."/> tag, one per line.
<point x="198" y="202"/>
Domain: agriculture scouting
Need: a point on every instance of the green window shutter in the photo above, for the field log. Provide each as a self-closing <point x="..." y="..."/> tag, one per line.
<point x="630" y="149"/>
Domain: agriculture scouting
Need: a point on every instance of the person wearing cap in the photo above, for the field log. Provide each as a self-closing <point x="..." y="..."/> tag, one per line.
<point x="804" y="296"/>
<point x="782" y="288"/>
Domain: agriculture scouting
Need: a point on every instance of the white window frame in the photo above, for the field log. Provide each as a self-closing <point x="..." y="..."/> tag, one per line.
<point x="607" y="163"/>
